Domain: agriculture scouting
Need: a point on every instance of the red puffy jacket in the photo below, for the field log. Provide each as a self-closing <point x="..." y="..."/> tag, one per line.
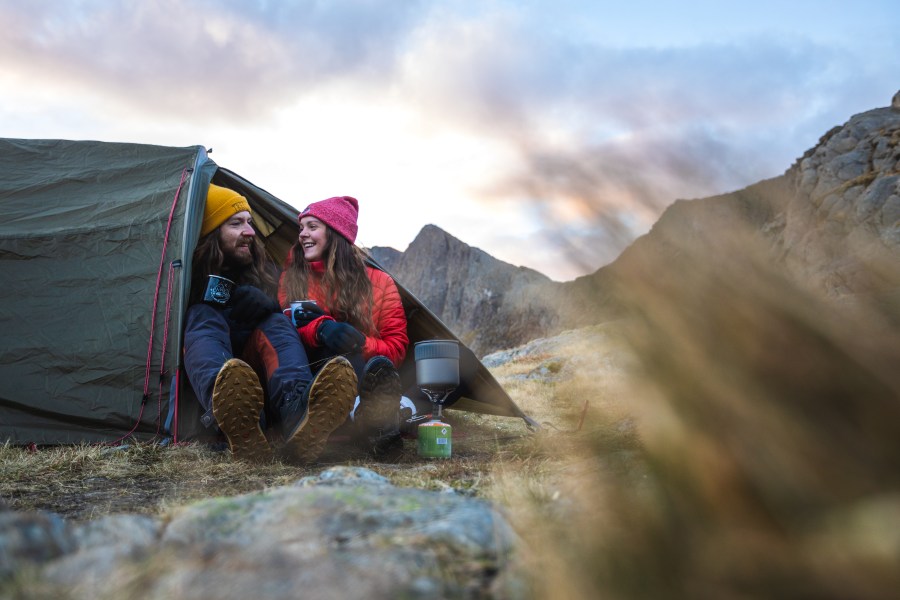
<point x="390" y="337"/>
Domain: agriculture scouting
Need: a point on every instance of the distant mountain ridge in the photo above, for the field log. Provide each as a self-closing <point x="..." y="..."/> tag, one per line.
<point x="831" y="220"/>
<point x="488" y="303"/>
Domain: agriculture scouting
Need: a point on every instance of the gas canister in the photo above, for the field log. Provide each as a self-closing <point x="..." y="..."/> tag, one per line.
<point x="435" y="440"/>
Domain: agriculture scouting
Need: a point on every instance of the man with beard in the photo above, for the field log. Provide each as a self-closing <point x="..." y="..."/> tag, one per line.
<point x="244" y="359"/>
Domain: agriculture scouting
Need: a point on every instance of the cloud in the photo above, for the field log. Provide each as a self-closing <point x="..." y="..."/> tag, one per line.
<point x="496" y="68"/>
<point x="198" y="58"/>
<point x="586" y="133"/>
<point x="615" y="134"/>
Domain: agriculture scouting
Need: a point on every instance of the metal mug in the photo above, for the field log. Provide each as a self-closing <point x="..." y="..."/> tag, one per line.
<point x="218" y="290"/>
<point x="306" y="310"/>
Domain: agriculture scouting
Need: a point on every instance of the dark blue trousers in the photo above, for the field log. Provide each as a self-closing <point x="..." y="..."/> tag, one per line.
<point x="319" y="356"/>
<point x="273" y="349"/>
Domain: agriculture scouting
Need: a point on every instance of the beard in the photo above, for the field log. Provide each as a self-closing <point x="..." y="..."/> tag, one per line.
<point x="238" y="256"/>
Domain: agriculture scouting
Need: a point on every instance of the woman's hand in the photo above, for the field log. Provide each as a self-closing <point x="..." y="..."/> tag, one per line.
<point x="339" y="337"/>
<point x="305" y="314"/>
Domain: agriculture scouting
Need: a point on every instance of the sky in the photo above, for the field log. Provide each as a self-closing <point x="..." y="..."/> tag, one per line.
<point x="549" y="134"/>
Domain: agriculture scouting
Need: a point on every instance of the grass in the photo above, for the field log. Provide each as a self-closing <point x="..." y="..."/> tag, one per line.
<point x="87" y="481"/>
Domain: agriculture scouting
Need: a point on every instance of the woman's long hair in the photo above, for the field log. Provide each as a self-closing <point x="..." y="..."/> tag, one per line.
<point x="345" y="285"/>
<point x="208" y="259"/>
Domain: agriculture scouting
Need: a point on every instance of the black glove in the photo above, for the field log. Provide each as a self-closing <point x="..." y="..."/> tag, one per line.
<point x="340" y="337"/>
<point x="251" y="305"/>
<point x="308" y="312"/>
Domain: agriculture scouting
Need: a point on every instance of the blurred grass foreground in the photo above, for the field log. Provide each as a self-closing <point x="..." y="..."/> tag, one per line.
<point x="768" y="419"/>
<point x="735" y="435"/>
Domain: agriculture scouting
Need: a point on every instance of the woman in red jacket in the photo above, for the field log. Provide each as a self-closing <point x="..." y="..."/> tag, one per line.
<point x="359" y="314"/>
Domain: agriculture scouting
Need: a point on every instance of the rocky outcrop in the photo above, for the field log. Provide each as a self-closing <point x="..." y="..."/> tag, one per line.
<point x="830" y="223"/>
<point x="486" y="302"/>
<point x="844" y="215"/>
<point x="346" y="533"/>
<point x="832" y="220"/>
<point x="389" y="258"/>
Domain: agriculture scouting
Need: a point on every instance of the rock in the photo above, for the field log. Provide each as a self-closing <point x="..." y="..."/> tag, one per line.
<point x="895" y="101"/>
<point x="389" y="258"/>
<point x="342" y="475"/>
<point x="102" y="546"/>
<point x="32" y="539"/>
<point x="487" y="303"/>
<point x="561" y="357"/>
<point x="345" y="533"/>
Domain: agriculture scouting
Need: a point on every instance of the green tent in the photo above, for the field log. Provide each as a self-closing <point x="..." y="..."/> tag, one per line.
<point x="95" y="247"/>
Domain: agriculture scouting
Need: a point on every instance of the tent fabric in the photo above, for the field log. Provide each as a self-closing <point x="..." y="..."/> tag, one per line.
<point x="95" y="249"/>
<point x="80" y="250"/>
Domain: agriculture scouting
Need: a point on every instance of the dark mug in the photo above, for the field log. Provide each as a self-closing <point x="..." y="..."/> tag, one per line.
<point x="218" y="290"/>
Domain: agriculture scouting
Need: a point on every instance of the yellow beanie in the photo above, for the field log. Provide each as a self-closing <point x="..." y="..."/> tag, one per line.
<point x="221" y="204"/>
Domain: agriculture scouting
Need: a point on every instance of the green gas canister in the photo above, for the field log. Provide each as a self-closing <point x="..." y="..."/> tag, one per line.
<point x="435" y="440"/>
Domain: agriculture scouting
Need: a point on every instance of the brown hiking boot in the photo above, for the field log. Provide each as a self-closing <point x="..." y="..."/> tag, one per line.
<point x="330" y="397"/>
<point x="237" y="401"/>
<point x="377" y="417"/>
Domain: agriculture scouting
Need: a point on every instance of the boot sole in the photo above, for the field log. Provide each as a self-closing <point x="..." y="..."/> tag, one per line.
<point x="331" y="397"/>
<point x="237" y="401"/>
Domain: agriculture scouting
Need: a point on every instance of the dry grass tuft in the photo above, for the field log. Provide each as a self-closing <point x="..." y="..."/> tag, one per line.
<point x="87" y="481"/>
<point x="765" y="461"/>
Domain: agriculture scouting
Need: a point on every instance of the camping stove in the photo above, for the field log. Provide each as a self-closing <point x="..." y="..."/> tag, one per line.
<point x="437" y="375"/>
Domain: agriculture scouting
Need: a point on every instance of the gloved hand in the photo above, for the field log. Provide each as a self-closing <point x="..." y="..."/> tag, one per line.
<point x="340" y="337"/>
<point x="249" y="304"/>
<point x="308" y="312"/>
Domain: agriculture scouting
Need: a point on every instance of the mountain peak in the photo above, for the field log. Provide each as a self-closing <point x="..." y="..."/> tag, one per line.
<point x="432" y="234"/>
<point x="480" y="298"/>
<point x="434" y="241"/>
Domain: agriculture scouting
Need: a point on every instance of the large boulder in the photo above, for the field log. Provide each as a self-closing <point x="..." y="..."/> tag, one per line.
<point x="346" y="533"/>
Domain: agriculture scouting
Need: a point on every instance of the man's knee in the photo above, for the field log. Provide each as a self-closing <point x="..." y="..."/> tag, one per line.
<point x="203" y="313"/>
<point x="277" y="342"/>
<point x="277" y="321"/>
<point x="206" y="331"/>
<point x="203" y="320"/>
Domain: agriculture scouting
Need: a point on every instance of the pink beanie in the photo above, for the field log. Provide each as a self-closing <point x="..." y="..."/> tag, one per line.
<point x="339" y="213"/>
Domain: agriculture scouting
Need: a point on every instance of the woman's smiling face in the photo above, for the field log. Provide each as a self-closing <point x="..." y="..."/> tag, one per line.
<point x="313" y="238"/>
